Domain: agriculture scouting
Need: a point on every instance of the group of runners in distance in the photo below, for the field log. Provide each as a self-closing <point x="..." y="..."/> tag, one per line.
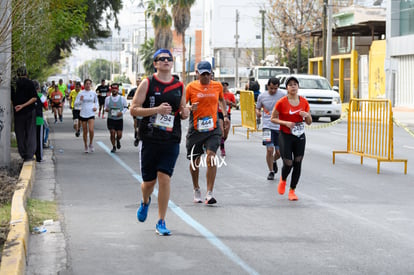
<point x="160" y="103"/>
<point x="84" y="102"/>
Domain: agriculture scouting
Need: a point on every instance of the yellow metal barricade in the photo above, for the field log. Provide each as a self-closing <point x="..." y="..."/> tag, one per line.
<point x="248" y="112"/>
<point x="370" y="131"/>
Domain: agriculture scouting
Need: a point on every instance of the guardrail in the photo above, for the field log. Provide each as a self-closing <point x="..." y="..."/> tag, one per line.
<point x="370" y="131"/>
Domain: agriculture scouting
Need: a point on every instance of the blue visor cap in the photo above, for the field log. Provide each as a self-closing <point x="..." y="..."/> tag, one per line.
<point x="160" y="51"/>
<point x="204" y="67"/>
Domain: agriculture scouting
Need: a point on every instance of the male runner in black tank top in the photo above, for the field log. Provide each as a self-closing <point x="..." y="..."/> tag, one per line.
<point x="160" y="100"/>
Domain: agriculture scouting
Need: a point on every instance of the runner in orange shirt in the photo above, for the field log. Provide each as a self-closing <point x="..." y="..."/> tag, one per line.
<point x="291" y="112"/>
<point x="204" y="132"/>
<point x="57" y="103"/>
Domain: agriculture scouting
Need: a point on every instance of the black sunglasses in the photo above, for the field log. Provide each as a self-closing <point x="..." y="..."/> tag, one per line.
<point x="163" y="58"/>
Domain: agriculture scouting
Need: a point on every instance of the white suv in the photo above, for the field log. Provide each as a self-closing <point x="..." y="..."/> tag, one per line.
<point x="323" y="100"/>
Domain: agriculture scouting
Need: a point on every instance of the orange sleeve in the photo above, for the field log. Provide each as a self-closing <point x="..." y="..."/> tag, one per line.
<point x="187" y="92"/>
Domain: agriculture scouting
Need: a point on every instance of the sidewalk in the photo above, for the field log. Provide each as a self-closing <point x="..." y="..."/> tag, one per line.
<point x="46" y="251"/>
<point x="29" y="253"/>
<point x="404" y="117"/>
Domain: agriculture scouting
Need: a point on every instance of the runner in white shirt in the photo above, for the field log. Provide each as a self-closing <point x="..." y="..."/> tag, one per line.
<point x="88" y="102"/>
<point x="116" y="106"/>
<point x="267" y="101"/>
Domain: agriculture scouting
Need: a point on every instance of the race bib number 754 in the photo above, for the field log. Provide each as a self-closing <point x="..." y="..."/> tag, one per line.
<point x="164" y="122"/>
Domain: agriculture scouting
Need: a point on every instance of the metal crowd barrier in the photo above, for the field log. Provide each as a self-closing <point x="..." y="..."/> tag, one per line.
<point x="248" y="112"/>
<point x="370" y="131"/>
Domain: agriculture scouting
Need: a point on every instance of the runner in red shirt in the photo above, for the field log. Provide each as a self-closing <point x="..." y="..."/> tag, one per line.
<point x="230" y="100"/>
<point x="291" y="112"/>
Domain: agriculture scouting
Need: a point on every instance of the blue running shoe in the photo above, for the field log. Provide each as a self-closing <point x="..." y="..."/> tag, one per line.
<point x="143" y="210"/>
<point x="161" y="229"/>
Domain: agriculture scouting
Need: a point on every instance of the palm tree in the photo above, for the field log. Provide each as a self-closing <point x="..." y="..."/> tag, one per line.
<point x="182" y="17"/>
<point x="161" y="21"/>
<point x="146" y="52"/>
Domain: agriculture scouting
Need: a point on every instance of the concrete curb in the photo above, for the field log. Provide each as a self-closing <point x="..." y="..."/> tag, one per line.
<point x="14" y="253"/>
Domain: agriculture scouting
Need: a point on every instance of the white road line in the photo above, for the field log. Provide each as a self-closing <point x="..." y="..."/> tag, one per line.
<point x="187" y="218"/>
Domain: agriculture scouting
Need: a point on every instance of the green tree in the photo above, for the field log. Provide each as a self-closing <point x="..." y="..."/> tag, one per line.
<point x="38" y="26"/>
<point x="100" y="69"/>
<point x="96" y="70"/>
<point x="99" y="11"/>
<point x="290" y="24"/>
<point x="162" y="22"/>
<point x="67" y="20"/>
<point x="182" y="18"/>
<point x="91" y="27"/>
<point x="122" y="79"/>
<point x="305" y="53"/>
<point x="45" y="31"/>
<point x="146" y="52"/>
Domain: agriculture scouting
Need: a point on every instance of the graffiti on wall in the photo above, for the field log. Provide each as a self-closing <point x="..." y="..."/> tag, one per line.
<point x="2" y="111"/>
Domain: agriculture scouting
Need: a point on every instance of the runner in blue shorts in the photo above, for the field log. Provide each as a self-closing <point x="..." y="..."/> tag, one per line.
<point x="160" y="100"/>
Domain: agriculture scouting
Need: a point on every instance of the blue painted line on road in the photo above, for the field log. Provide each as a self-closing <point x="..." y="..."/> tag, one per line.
<point x="120" y="161"/>
<point x="187" y="218"/>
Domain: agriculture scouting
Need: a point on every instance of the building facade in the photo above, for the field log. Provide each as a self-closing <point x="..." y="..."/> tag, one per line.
<point x="219" y="37"/>
<point x="399" y="63"/>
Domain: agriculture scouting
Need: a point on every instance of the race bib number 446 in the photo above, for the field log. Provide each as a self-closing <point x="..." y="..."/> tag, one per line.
<point x="205" y="124"/>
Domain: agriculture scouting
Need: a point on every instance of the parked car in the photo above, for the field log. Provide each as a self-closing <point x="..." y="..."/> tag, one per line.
<point x="324" y="101"/>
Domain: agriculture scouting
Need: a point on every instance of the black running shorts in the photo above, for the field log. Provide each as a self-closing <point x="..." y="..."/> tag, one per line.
<point x="115" y="124"/>
<point x="158" y="158"/>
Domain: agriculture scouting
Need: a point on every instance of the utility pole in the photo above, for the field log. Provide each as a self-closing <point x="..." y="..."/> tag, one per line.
<point x="236" y="58"/>
<point x="5" y="82"/>
<point x="329" y="42"/>
<point x="263" y="33"/>
<point x="189" y="59"/>
<point x="146" y="30"/>
<point x="324" y="34"/>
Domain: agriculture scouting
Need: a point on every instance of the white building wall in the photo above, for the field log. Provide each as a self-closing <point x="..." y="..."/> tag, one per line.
<point x="399" y="63"/>
<point x="220" y="25"/>
<point x="404" y="82"/>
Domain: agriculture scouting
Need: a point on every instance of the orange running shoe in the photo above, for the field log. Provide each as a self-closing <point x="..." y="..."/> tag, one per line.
<point x="281" y="187"/>
<point x="292" y="196"/>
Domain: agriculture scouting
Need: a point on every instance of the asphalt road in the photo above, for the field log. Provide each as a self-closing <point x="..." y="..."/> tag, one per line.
<point x="348" y="219"/>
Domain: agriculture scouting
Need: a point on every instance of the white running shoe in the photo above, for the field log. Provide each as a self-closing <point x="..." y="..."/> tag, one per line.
<point x="209" y="198"/>
<point x="91" y="148"/>
<point x="197" y="196"/>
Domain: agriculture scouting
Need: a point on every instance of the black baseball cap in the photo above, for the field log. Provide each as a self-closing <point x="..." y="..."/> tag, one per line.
<point x="292" y="78"/>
